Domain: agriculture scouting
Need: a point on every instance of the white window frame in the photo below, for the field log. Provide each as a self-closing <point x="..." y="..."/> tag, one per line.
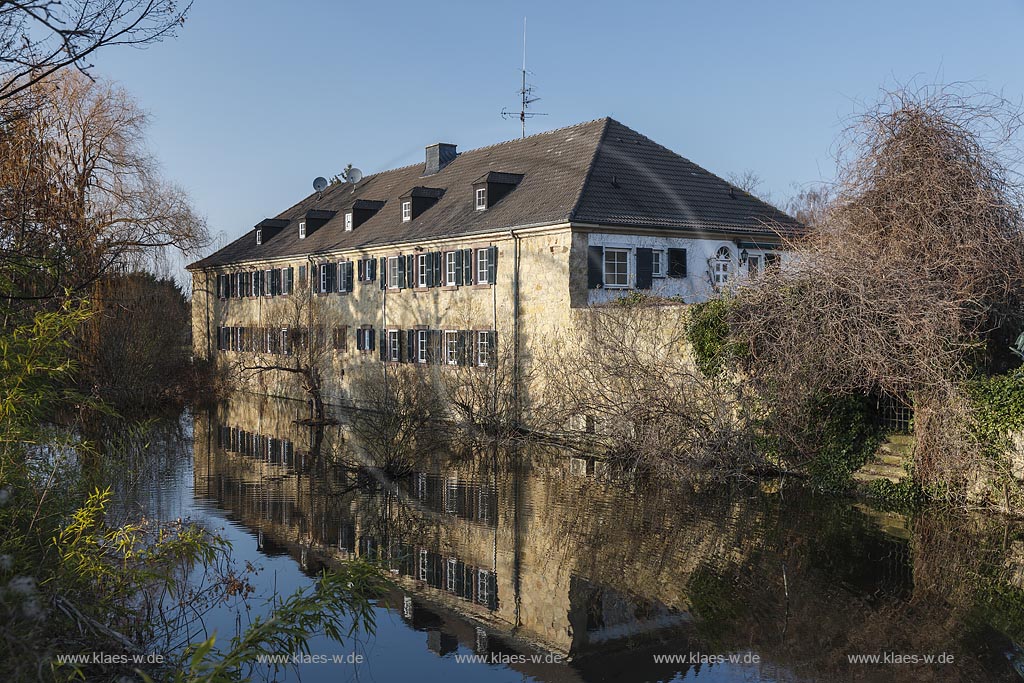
<point x="254" y="283"/>
<point x="658" y="262"/>
<point x="483" y="348"/>
<point x="481" y="198"/>
<point x="483" y="586"/>
<point x="721" y="267"/>
<point x="407" y="210"/>
<point x="421" y="270"/>
<point x="393" y="272"/>
<point x="302" y="230"/>
<point x="323" y="277"/>
<point x="626" y="261"/>
<point x="451" y="347"/>
<point x="259" y="237"/>
<point x="348" y="221"/>
<point x="424" y="563"/>
<point x="394" y="345"/>
<point x="483" y="266"/>
<point x="422" y="344"/>
<point x="450" y="268"/>
<point x="453" y="564"/>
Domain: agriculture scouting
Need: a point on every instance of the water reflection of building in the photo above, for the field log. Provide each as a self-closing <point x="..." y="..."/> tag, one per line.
<point x="542" y="551"/>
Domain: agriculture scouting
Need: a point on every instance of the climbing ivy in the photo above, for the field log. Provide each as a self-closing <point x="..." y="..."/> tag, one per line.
<point x="997" y="404"/>
<point x="708" y="332"/>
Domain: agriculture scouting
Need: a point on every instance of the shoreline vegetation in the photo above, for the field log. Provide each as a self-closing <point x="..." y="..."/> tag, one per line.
<point x="906" y="288"/>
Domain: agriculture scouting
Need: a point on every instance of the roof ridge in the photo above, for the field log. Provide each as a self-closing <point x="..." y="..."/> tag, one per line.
<point x="590" y="168"/>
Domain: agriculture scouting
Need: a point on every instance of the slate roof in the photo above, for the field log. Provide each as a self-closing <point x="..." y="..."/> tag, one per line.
<point x="595" y="172"/>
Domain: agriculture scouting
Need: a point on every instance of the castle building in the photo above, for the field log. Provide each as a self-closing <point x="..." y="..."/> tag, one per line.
<point x="447" y="261"/>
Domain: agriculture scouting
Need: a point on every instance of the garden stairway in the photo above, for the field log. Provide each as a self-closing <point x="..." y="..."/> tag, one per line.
<point x="889" y="461"/>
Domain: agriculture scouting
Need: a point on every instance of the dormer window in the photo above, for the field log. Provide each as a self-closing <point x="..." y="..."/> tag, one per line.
<point x="259" y="237"/>
<point x="302" y="230"/>
<point x="407" y="210"/>
<point x="481" y="198"/>
<point x="348" y="221"/>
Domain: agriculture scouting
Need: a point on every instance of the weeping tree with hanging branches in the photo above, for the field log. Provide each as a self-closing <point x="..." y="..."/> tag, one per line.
<point x="908" y="282"/>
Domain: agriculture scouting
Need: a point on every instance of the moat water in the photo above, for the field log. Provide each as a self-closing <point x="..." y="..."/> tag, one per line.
<point x="535" y="565"/>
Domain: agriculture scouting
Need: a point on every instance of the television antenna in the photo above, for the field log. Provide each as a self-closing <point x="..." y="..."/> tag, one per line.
<point x="525" y="93"/>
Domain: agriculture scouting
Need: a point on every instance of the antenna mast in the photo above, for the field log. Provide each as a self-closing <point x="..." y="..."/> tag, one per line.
<point x="525" y="93"/>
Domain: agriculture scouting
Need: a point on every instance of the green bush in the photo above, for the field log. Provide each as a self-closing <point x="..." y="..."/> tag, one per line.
<point x="997" y="406"/>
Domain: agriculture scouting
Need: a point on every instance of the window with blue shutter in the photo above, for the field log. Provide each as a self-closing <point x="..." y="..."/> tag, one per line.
<point x="595" y="267"/>
<point x="644" y="268"/>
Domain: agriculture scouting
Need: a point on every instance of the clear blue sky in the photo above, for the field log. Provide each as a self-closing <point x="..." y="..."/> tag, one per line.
<point x="255" y="99"/>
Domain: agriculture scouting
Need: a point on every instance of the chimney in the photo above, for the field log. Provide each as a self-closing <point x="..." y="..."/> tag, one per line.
<point x="439" y="155"/>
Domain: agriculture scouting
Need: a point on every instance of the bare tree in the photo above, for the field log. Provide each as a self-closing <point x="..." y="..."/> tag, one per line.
<point x="38" y="38"/>
<point x="909" y="281"/>
<point x="296" y="339"/>
<point x="81" y="195"/>
<point x="625" y="379"/>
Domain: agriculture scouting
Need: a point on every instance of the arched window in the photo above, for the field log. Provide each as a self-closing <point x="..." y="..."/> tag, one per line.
<point x="721" y="267"/>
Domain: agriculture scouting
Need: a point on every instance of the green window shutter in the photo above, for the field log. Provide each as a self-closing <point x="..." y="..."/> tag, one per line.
<point x="595" y="267"/>
<point x="410" y="271"/>
<point x="492" y="346"/>
<point x="372" y="265"/>
<point x="677" y="263"/>
<point x="644" y="268"/>
<point x="349" y="284"/>
<point x="291" y="279"/>
<point x="492" y="264"/>
<point x="383" y="344"/>
<point x="383" y="272"/>
<point x="438" y="258"/>
<point x="371" y="341"/>
<point x="410" y="346"/>
<point x="401" y="273"/>
<point x="458" y="267"/>
<point x="468" y="276"/>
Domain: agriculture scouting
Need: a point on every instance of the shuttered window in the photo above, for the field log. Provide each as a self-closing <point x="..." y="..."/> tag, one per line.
<point x="451" y="347"/>
<point x="677" y="263"/>
<point x="483" y="270"/>
<point x="422" y="269"/>
<point x="616" y="268"/>
<point x="422" y="337"/>
<point x="450" y="268"/>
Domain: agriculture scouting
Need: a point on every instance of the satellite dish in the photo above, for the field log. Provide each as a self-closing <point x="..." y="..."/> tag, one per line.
<point x="320" y="184"/>
<point x="353" y="175"/>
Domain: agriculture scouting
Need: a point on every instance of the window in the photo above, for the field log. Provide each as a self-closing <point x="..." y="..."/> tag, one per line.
<point x="753" y="265"/>
<point x="324" y="284"/>
<point x="483" y="586"/>
<point x="393" y="272"/>
<point x="450" y="574"/>
<point x="481" y="198"/>
<point x="364" y="339"/>
<point x="722" y="266"/>
<point x="407" y="210"/>
<point x="348" y="221"/>
<point x="483" y="266"/>
<point x="449" y="268"/>
<point x="394" y="346"/>
<point x="340" y="338"/>
<point x="259" y="237"/>
<point x="484" y="348"/>
<point x="451" y="347"/>
<point x="285" y="348"/>
<point x="616" y="267"/>
<point x="657" y="263"/>
<point x="421" y="346"/>
<point x="302" y="230"/>
<point x="421" y="270"/>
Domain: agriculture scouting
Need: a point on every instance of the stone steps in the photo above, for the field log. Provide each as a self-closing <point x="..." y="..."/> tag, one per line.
<point x="889" y="461"/>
